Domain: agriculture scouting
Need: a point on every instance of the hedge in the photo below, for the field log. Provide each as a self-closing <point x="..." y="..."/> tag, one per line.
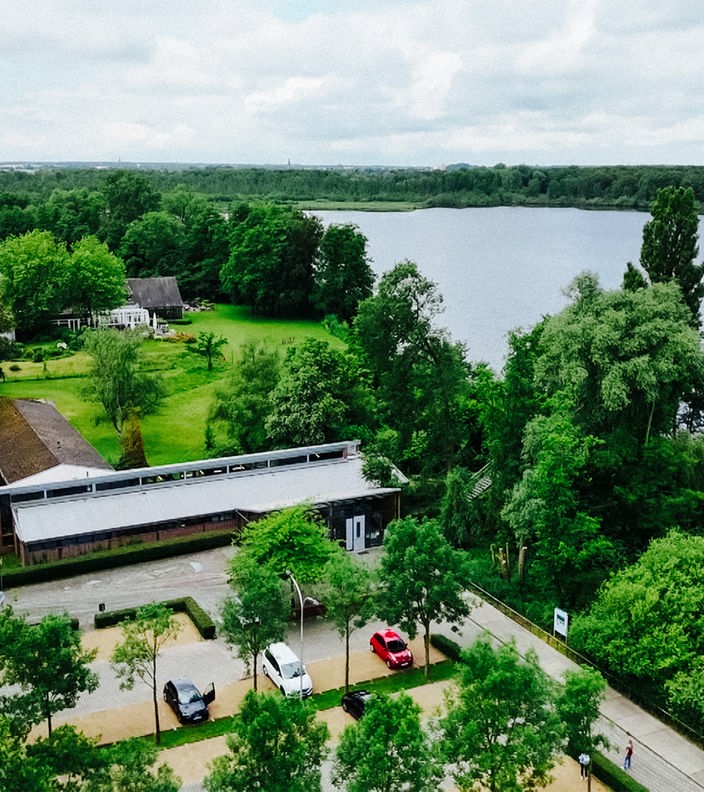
<point x="117" y="557"/>
<point x="202" y="621"/>
<point x="451" y="649"/>
<point x="613" y="776"/>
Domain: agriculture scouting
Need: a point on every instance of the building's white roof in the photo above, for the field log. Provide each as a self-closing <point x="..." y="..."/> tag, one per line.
<point x="62" y="473"/>
<point x="258" y="491"/>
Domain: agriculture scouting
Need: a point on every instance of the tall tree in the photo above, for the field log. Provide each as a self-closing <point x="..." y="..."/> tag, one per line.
<point x="578" y="707"/>
<point x="349" y="591"/>
<point x="270" y="268"/>
<point x="244" y="401"/>
<point x="34" y="271"/>
<point x="71" y="214"/>
<point x="291" y="540"/>
<point x="421" y="579"/>
<point x="276" y="745"/>
<point x="116" y="377"/>
<point x="670" y="245"/>
<point x="501" y="731"/>
<point x="343" y="274"/>
<point x="46" y="661"/>
<point x="96" y="278"/>
<point x="143" y="639"/>
<point x="405" y="351"/>
<point x="387" y="750"/>
<point x="153" y="245"/>
<point x="257" y="614"/>
<point x="320" y="394"/>
<point x="128" y="196"/>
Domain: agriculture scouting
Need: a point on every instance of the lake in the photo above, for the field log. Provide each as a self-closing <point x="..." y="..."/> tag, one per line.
<point x="500" y="268"/>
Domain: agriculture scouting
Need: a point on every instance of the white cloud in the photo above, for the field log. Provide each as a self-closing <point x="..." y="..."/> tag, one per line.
<point x="399" y="82"/>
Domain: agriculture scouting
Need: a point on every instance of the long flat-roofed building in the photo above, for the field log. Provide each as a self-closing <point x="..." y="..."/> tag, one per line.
<point x="62" y="519"/>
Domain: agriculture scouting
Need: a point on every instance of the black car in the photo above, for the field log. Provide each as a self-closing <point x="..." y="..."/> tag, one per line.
<point x="184" y="698"/>
<point x="355" y="701"/>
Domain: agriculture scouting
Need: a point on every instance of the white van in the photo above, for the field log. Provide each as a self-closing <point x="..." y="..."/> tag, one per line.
<point x="283" y="667"/>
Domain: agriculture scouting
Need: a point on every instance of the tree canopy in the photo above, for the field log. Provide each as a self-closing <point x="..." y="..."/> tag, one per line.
<point x="276" y="745"/>
<point x="421" y="578"/>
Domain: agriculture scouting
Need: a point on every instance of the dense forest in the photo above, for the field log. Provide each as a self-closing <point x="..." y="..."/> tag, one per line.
<point x="622" y="187"/>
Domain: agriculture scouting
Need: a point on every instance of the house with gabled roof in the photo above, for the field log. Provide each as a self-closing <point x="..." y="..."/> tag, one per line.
<point x="160" y="296"/>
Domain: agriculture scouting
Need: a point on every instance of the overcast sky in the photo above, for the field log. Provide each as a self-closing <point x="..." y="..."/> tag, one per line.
<point x="358" y="82"/>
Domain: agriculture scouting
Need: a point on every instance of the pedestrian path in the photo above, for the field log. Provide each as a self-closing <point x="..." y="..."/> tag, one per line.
<point x="663" y="760"/>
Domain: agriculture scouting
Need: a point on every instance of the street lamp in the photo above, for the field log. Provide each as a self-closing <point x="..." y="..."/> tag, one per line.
<point x="288" y="575"/>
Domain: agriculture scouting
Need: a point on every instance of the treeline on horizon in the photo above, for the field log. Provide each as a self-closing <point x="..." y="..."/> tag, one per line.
<point x="456" y="186"/>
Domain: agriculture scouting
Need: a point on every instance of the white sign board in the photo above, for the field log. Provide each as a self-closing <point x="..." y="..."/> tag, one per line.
<point x="560" y="621"/>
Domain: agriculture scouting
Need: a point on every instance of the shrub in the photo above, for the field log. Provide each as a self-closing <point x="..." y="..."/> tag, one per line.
<point x="37" y="356"/>
<point x="447" y="646"/>
<point x="613" y="777"/>
<point x="15" y="367"/>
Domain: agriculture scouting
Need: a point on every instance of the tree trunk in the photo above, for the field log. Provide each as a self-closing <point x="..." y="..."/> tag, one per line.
<point x="426" y="646"/>
<point x="347" y="658"/>
<point x="157" y="727"/>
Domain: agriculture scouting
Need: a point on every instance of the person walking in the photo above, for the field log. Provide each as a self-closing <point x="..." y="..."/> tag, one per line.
<point x="628" y="756"/>
<point x="584" y="760"/>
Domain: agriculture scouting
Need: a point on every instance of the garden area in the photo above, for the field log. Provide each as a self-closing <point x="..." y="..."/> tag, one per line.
<point x="176" y="431"/>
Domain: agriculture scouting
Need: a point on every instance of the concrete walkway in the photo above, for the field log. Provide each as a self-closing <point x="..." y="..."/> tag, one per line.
<point x="663" y="761"/>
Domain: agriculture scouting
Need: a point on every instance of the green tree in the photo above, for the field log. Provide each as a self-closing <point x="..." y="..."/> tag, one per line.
<point x="270" y="268"/>
<point x="132" y="444"/>
<point x="319" y="395"/>
<point x="117" y="380"/>
<point x="349" y="589"/>
<point x="276" y="746"/>
<point x="244" y="402"/>
<point x="422" y="579"/>
<point x="404" y="351"/>
<point x="130" y="767"/>
<point x="153" y="245"/>
<point x="96" y="278"/>
<point x="343" y="274"/>
<point x="34" y="271"/>
<point x="578" y="708"/>
<point x="569" y="553"/>
<point x="387" y="750"/>
<point x="645" y="623"/>
<point x="670" y="245"/>
<point x="128" y="196"/>
<point x="71" y="214"/>
<point x="501" y="731"/>
<point x="135" y="657"/>
<point x="257" y="614"/>
<point x="46" y="661"/>
<point x="291" y="540"/>
<point x="208" y="345"/>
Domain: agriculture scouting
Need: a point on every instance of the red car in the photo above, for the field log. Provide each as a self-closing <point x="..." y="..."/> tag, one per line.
<point x="391" y="648"/>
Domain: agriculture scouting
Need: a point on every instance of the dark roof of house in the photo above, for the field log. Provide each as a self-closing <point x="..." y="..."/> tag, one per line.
<point x="34" y="437"/>
<point x="154" y="292"/>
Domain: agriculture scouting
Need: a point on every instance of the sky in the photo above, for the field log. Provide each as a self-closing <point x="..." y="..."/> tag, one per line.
<point x="353" y="82"/>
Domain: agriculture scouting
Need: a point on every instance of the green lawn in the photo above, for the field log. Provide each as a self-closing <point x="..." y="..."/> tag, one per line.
<point x="176" y="432"/>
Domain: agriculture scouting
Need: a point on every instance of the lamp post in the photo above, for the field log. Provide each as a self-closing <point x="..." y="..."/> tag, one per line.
<point x="302" y="602"/>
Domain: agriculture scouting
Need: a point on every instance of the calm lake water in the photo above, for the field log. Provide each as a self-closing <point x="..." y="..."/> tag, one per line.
<point x="500" y="268"/>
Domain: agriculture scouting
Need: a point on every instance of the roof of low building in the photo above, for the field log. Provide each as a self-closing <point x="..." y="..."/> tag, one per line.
<point x="36" y="438"/>
<point x="249" y="491"/>
<point x="155" y="292"/>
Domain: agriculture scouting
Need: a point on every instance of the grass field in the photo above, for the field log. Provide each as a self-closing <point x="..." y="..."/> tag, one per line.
<point x="176" y="432"/>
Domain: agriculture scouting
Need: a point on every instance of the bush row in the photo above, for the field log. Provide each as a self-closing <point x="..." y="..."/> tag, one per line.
<point x="613" y="777"/>
<point x="202" y="621"/>
<point x="451" y="649"/>
<point x="108" y="559"/>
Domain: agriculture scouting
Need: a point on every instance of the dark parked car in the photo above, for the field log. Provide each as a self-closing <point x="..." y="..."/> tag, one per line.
<point x="355" y="701"/>
<point x="391" y="648"/>
<point x="184" y="698"/>
<point x="311" y="608"/>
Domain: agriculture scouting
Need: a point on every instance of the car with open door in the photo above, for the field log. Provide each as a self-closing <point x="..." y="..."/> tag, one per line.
<point x="184" y="698"/>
